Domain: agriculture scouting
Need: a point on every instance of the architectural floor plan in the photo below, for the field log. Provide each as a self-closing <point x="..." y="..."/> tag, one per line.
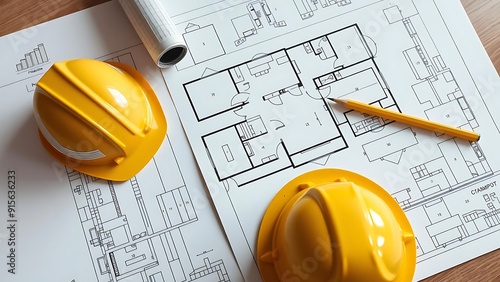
<point x="256" y="112"/>
<point x="158" y="226"/>
<point x="137" y="229"/>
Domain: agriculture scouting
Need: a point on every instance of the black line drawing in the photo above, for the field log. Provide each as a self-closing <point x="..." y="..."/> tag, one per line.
<point x="30" y="87"/>
<point x="447" y="177"/>
<point x="306" y="8"/>
<point x="34" y="58"/>
<point x="236" y="93"/>
<point x="390" y="147"/>
<point x="142" y="237"/>
<point x="451" y="167"/>
<point x="393" y="14"/>
<point x="209" y="268"/>
<point x="450" y="225"/>
<point x="203" y="42"/>
<point x="259" y="14"/>
<point x="126" y="58"/>
<point x="252" y="22"/>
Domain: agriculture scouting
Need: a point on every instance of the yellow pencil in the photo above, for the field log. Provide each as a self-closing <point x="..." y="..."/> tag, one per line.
<point x="407" y="119"/>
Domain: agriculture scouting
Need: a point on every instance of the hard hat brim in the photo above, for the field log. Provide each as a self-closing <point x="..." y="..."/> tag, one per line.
<point x="293" y="189"/>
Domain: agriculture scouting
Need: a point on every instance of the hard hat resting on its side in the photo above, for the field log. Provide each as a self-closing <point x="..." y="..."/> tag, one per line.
<point x="334" y="225"/>
<point x="100" y="118"/>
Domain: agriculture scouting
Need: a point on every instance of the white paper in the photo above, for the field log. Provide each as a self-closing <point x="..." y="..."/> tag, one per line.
<point x="251" y="98"/>
<point x="59" y="225"/>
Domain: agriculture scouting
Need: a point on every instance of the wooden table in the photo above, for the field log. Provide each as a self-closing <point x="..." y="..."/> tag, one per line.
<point x="484" y="14"/>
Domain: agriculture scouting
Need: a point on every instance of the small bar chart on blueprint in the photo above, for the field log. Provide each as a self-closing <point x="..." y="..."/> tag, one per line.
<point x="34" y="58"/>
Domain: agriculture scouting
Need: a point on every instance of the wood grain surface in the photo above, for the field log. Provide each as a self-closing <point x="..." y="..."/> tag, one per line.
<point x="484" y="14"/>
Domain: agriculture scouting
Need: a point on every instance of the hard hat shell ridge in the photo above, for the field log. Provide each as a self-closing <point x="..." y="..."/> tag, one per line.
<point x="99" y="118"/>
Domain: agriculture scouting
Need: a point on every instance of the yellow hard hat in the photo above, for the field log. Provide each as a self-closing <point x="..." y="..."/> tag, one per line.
<point x="100" y="118"/>
<point x="334" y="225"/>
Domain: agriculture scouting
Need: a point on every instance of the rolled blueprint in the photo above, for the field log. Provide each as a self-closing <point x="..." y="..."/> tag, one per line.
<point x="156" y="30"/>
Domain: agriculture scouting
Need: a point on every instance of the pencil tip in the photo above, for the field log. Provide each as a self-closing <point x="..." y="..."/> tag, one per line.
<point x="337" y="100"/>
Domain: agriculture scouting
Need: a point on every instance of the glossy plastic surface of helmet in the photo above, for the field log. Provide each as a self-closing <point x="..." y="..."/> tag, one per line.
<point x="99" y="118"/>
<point x="334" y="225"/>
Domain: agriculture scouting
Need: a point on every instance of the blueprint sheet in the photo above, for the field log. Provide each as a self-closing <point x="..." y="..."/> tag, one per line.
<point x="251" y="97"/>
<point x="60" y="225"/>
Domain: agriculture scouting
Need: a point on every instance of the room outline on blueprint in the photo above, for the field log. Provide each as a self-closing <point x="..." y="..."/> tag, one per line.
<point x="258" y="113"/>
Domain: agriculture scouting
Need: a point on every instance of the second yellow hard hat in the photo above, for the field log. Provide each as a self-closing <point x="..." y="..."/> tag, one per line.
<point x="334" y="225"/>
